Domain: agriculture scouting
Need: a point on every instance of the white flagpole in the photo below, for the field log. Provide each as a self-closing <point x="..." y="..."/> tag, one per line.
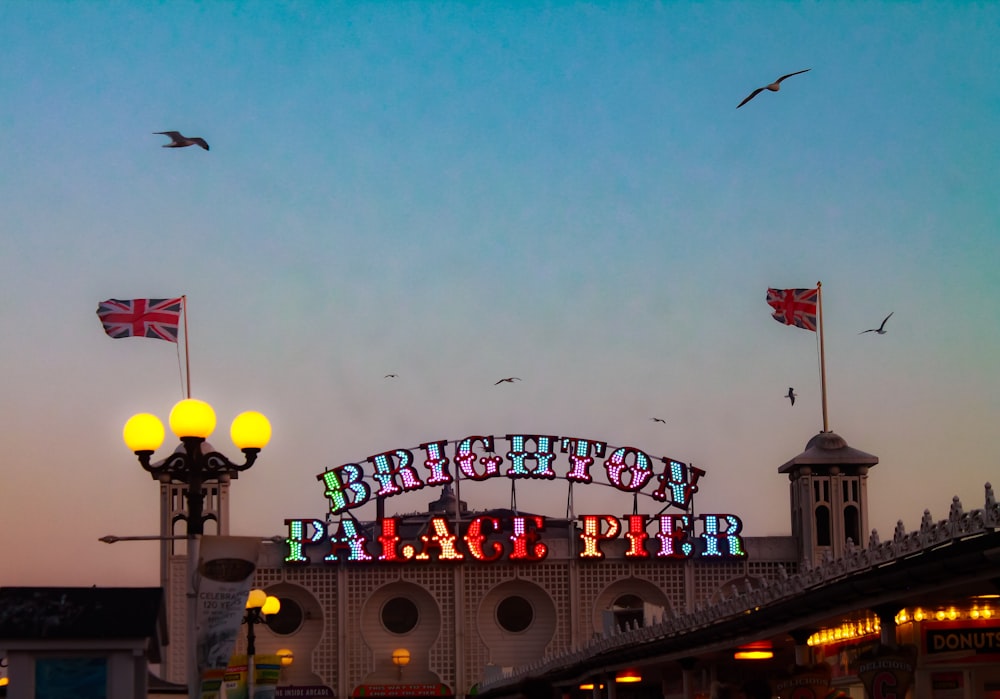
<point x="822" y="354"/>
<point x="187" y="354"/>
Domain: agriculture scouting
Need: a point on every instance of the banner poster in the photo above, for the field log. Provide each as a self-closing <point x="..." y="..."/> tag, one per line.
<point x="887" y="671"/>
<point x="235" y="681"/>
<point x="266" y="673"/>
<point x="211" y="682"/>
<point x="804" y="682"/>
<point x="222" y="583"/>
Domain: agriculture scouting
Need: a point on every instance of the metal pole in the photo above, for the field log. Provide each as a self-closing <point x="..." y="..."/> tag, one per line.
<point x="252" y="616"/>
<point x="195" y="528"/>
<point x="822" y="353"/>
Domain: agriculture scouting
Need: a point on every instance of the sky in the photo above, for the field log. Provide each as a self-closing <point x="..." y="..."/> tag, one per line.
<point x="458" y="192"/>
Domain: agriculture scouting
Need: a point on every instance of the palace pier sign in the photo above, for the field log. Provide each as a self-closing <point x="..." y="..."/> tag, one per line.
<point x="668" y="482"/>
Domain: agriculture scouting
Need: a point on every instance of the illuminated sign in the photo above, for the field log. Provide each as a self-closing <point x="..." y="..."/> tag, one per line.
<point x="516" y="538"/>
<point x="628" y="469"/>
<point x="975" y="639"/>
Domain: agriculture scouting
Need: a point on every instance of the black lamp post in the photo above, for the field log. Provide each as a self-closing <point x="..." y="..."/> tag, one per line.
<point x="193" y="421"/>
<point x="259" y="606"/>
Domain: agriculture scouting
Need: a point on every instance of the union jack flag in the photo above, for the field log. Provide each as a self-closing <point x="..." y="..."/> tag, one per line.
<point x="156" y="318"/>
<point x="794" y="306"/>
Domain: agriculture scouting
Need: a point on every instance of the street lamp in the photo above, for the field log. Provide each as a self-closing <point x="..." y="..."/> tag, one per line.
<point x="401" y="658"/>
<point x="286" y="656"/>
<point x="192" y="421"/>
<point x="259" y="606"/>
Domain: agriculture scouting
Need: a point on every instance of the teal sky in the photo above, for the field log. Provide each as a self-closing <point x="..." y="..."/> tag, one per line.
<point x="460" y="192"/>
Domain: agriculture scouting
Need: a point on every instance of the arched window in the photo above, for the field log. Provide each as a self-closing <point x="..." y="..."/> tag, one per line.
<point x="822" y="525"/>
<point x="628" y="612"/>
<point x="852" y="524"/>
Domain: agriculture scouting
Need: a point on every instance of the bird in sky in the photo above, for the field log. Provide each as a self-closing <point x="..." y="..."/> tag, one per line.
<point x="880" y="329"/>
<point x="773" y="87"/>
<point x="509" y="379"/>
<point x="658" y="419"/>
<point x="390" y="376"/>
<point x="177" y="140"/>
<point x="791" y="395"/>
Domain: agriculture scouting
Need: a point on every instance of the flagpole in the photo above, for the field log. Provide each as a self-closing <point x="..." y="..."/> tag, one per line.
<point x="187" y="354"/>
<point x="822" y="354"/>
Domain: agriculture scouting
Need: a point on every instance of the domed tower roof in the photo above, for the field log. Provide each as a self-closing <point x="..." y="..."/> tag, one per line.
<point x="446" y="503"/>
<point x="829" y="449"/>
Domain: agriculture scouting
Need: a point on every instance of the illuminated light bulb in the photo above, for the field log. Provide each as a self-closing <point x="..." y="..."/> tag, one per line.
<point x="192" y="418"/>
<point x="272" y="605"/>
<point x="250" y="430"/>
<point x="143" y="432"/>
<point x="952" y="613"/>
<point x="918" y="614"/>
<point x="939" y="615"/>
<point x="987" y="612"/>
<point x="256" y="599"/>
<point x="974" y="613"/>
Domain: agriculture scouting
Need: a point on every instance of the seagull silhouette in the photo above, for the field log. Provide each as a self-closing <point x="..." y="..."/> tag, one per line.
<point x="658" y="419"/>
<point x="509" y="379"/>
<point x="390" y="376"/>
<point x="880" y="329"/>
<point x="177" y="140"/>
<point x="773" y="87"/>
<point x="791" y="395"/>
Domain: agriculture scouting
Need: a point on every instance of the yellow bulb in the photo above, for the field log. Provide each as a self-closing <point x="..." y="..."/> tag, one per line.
<point x="256" y="599"/>
<point x="272" y="605"/>
<point x="192" y="418"/>
<point x="401" y="657"/>
<point x="250" y="430"/>
<point x="143" y="432"/>
<point x="285" y="656"/>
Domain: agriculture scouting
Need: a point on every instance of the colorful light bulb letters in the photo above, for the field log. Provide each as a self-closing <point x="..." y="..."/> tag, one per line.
<point x="486" y="538"/>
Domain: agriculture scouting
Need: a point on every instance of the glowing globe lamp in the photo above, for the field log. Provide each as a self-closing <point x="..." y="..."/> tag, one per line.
<point x="143" y="432"/>
<point x="192" y="418"/>
<point x="272" y="605"/>
<point x="256" y="599"/>
<point x="401" y="657"/>
<point x="250" y="430"/>
<point x="285" y="656"/>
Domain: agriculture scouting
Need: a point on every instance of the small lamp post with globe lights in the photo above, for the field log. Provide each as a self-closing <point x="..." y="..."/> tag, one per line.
<point x="192" y="421"/>
<point x="401" y="658"/>
<point x="259" y="606"/>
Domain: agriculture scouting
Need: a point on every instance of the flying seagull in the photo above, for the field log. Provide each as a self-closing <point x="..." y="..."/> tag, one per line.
<point x="880" y="329"/>
<point x="791" y="395"/>
<point x="390" y="376"/>
<point x="509" y="379"/>
<point x="658" y="419"/>
<point x="773" y="87"/>
<point x="177" y="140"/>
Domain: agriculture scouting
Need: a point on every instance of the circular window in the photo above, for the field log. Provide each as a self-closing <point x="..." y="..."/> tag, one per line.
<point x="288" y="620"/>
<point x="515" y="614"/>
<point x="400" y="615"/>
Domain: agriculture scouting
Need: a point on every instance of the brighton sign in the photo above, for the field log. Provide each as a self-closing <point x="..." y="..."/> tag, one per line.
<point x="517" y="538"/>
